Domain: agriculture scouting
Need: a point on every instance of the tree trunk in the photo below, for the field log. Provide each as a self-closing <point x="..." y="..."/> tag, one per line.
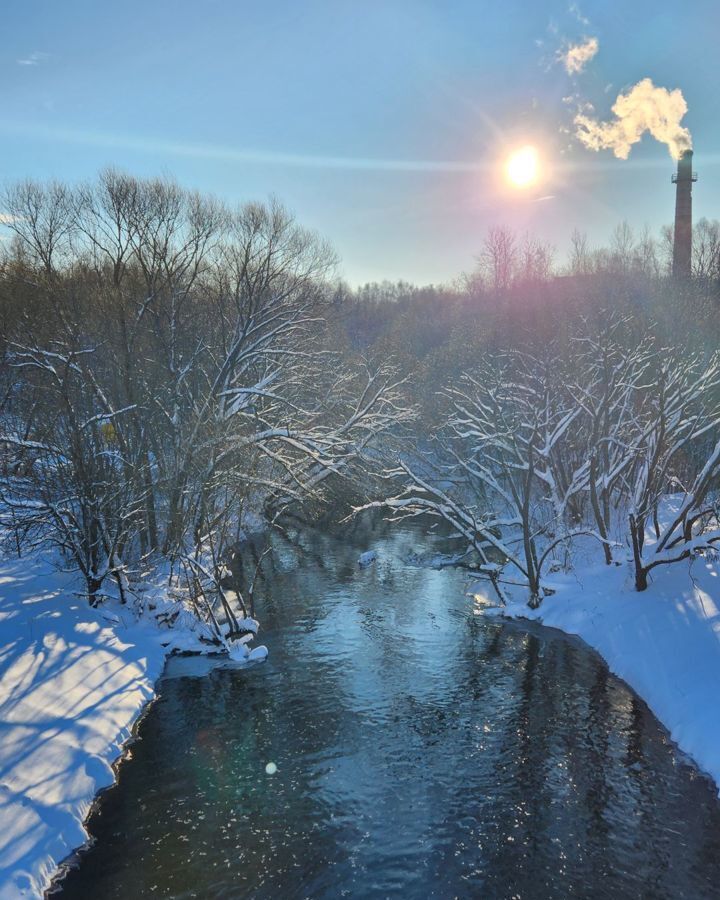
<point x="599" y="517"/>
<point x="93" y="586"/>
<point x="151" y="518"/>
<point x="641" y="579"/>
<point x="641" y="574"/>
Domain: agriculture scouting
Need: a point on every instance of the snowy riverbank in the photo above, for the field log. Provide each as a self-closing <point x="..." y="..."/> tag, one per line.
<point x="73" y="682"/>
<point x="664" y="642"/>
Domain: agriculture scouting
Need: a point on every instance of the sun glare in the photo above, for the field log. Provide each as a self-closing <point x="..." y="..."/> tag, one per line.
<point x="522" y="167"/>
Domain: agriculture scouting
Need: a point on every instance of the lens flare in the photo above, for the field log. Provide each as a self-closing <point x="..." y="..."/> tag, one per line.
<point x="522" y="168"/>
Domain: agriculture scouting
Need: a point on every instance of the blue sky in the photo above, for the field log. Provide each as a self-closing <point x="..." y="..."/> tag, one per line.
<point x="383" y="125"/>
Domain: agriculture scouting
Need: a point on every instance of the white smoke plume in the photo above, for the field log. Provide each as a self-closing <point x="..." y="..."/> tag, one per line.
<point x="644" y="108"/>
<point x="574" y="10"/>
<point x="576" y="56"/>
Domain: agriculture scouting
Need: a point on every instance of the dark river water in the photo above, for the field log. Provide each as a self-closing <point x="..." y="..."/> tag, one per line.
<point x="422" y="750"/>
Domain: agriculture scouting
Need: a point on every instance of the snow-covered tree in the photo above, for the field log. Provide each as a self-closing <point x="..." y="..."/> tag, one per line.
<point x="610" y="366"/>
<point x="677" y="452"/>
<point x="68" y="485"/>
<point x="174" y="367"/>
<point x="495" y="472"/>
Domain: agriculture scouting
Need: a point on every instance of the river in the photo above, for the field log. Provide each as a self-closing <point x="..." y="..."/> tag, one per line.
<point x="421" y="750"/>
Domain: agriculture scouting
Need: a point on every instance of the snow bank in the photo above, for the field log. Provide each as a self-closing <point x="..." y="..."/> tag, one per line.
<point x="73" y="681"/>
<point x="664" y="642"/>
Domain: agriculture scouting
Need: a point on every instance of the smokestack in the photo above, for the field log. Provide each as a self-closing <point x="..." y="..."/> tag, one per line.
<point x="682" y="243"/>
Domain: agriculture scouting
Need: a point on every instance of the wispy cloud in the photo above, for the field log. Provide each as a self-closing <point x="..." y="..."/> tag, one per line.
<point x="6" y="218"/>
<point x="34" y="59"/>
<point x="576" y="56"/>
<point x="236" y="155"/>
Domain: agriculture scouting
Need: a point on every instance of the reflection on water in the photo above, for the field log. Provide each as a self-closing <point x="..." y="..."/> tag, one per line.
<point x="421" y="751"/>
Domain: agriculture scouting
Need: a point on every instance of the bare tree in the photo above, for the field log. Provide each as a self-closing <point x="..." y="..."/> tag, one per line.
<point x="647" y="262"/>
<point x="499" y="258"/>
<point x="535" y="261"/>
<point x="706" y="251"/>
<point x="580" y="262"/>
<point x="667" y="240"/>
<point x="622" y="248"/>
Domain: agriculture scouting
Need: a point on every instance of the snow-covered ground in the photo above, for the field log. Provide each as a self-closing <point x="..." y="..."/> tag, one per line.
<point x="73" y="681"/>
<point x="664" y="642"/>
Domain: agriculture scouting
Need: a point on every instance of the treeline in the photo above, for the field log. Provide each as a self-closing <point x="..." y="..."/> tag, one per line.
<point x="518" y="282"/>
<point x="173" y="369"/>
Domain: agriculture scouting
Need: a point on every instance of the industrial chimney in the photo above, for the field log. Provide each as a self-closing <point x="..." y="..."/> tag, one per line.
<point x="682" y="244"/>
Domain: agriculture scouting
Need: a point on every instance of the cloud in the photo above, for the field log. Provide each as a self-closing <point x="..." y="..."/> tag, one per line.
<point x="576" y="56"/>
<point x="6" y="219"/>
<point x="645" y="108"/>
<point x="35" y="58"/>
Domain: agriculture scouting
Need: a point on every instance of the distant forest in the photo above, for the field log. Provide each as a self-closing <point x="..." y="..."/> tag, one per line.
<point x="175" y="372"/>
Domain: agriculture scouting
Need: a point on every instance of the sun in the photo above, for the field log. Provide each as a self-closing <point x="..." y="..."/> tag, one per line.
<point x="523" y="168"/>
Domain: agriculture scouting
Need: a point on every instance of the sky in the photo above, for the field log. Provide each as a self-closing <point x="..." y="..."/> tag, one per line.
<point x="384" y="125"/>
